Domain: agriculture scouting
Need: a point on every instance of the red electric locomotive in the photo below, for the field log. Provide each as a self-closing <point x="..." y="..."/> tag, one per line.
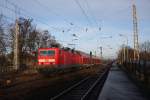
<point x="57" y="57"/>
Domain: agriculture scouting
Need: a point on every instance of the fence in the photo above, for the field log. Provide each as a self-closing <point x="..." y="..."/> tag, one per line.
<point x="139" y="70"/>
<point x="6" y="69"/>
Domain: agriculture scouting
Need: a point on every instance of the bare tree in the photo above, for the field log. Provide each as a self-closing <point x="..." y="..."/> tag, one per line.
<point x="145" y="50"/>
<point x="30" y="39"/>
<point x="2" y="36"/>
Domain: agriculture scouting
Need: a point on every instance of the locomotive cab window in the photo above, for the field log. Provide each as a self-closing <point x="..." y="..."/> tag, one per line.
<point x="49" y="52"/>
<point x="43" y="53"/>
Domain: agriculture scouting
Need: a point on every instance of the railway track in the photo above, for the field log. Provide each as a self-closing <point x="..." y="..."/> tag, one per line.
<point x="86" y="89"/>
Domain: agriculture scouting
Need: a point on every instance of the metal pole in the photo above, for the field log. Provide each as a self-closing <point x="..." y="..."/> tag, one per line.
<point x="16" y="52"/>
<point x="124" y="55"/>
<point x="135" y="32"/>
<point x="95" y="53"/>
<point x="127" y="49"/>
<point x="101" y="52"/>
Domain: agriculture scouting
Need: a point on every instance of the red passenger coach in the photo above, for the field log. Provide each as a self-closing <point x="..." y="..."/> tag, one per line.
<point x="56" y="57"/>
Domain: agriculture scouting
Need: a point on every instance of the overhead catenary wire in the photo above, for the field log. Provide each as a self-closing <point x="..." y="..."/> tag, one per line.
<point x="12" y="9"/>
<point x="49" y="10"/>
<point x="91" y="13"/>
<point x="57" y="14"/>
<point x="23" y="12"/>
<point x="83" y="12"/>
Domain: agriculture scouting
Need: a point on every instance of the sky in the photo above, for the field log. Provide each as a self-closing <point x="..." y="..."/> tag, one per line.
<point x="95" y="22"/>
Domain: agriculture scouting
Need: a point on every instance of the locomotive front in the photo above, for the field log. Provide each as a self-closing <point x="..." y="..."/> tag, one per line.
<point x="47" y="56"/>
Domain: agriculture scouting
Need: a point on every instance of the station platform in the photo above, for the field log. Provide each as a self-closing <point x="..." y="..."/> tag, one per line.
<point x="119" y="87"/>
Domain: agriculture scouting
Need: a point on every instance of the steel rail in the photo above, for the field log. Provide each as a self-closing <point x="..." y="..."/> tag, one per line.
<point x="89" y="90"/>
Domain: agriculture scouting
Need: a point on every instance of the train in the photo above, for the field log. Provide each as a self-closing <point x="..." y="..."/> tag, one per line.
<point x="64" y="57"/>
